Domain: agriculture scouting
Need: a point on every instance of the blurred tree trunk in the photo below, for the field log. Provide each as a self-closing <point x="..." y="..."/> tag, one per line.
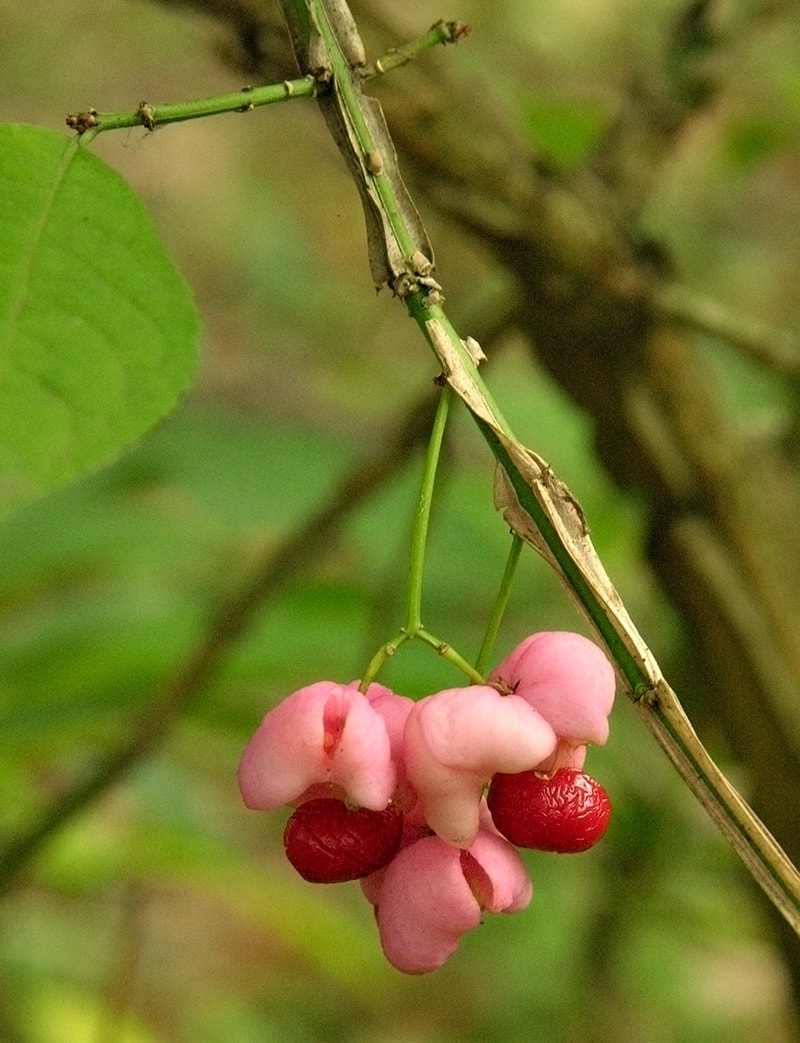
<point x="724" y="508"/>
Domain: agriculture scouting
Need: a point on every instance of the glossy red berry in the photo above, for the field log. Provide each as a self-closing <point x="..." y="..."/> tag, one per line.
<point x="567" y="813"/>
<point x="328" y="843"/>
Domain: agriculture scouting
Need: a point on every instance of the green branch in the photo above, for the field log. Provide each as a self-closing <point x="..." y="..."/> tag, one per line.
<point x="535" y="503"/>
<point x="500" y="603"/>
<point x="440" y="33"/>
<point x="419" y="538"/>
<point x="413" y="628"/>
<point x="149" y="116"/>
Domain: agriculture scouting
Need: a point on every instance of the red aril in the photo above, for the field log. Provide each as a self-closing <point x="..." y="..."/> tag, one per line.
<point x="567" y="813"/>
<point x="328" y="843"/>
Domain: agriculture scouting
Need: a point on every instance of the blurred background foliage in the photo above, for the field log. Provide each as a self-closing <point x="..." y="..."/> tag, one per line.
<point x="162" y="910"/>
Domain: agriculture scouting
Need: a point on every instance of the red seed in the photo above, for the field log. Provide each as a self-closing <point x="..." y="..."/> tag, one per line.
<point x="328" y="843"/>
<point x="567" y="813"/>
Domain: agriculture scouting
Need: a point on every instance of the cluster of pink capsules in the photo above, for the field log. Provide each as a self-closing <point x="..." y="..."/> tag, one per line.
<point x="427" y="802"/>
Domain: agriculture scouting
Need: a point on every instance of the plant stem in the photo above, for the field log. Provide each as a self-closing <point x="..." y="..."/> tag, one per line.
<point x="91" y="123"/>
<point x="440" y="33"/>
<point x="442" y="648"/>
<point x="499" y="608"/>
<point x="419" y="536"/>
<point x="413" y="628"/>
<point x="384" y="653"/>
<point x="359" y="132"/>
<point x="419" y="540"/>
<point x="447" y="652"/>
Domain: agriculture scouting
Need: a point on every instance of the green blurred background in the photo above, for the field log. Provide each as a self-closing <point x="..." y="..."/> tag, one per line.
<point x="165" y="911"/>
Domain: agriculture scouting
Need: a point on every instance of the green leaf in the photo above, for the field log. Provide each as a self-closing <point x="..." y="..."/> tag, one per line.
<point x="98" y="331"/>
